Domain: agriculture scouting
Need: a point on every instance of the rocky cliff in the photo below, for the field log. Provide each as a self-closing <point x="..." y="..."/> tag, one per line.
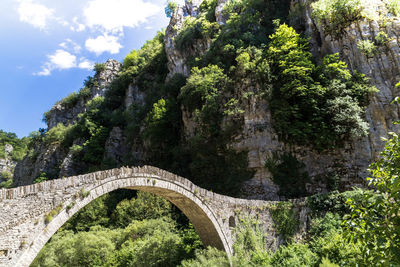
<point x="7" y="164"/>
<point x="257" y="136"/>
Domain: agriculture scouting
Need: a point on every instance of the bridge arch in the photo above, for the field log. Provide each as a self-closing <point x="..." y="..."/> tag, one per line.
<point x="193" y="201"/>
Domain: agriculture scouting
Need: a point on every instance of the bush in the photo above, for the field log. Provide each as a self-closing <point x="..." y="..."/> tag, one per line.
<point x="334" y="245"/>
<point x="58" y="134"/>
<point x="374" y="217"/>
<point x="249" y="247"/>
<point x="6" y="184"/>
<point x="381" y="38"/>
<point x="41" y="178"/>
<point x="70" y="100"/>
<point x="336" y="15"/>
<point x="366" y="47"/>
<point x="210" y="257"/>
<point x="144" y="206"/>
<point x="286" y="220"/>
<point x="393" y="6"/>
<point x="294" y="255"/>
<point x="170" y="8"/>
<point x="99" y="67"/>
<point x="319" y="106"/>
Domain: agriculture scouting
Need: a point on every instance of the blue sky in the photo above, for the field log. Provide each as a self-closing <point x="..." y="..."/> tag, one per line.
<point x="48" y="48"/>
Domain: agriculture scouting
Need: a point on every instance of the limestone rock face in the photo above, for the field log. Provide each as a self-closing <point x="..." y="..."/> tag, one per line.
<point x="219" y="16"/>
<point x="45" y="159"/>
<point x="116" y="148"/>
<point x="65" y="114"/>
<point x="7" y="165"/>
<point x="349" y="163"/>
<point x="54" y="160"/>
<point x="352" y="161"/>
<point x="177" y="58"/>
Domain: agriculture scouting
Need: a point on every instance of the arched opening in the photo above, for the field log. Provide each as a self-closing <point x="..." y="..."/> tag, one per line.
<point x="188" y="202"/>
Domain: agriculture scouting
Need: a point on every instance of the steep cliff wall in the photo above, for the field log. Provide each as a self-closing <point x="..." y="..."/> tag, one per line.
<point x="7" y="164"/>
<point x="146" y="105"/>
<point x="258" y="136"/>
<point x="51" y="159"/>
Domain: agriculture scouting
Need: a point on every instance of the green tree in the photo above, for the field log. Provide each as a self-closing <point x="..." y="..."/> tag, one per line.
<point x="375" y="218"/>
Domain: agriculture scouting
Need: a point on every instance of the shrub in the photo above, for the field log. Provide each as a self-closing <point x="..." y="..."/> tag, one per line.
<point x="210" y="257"/>
<point x="313" y="105"/>
<point x="70" y="100"/>
<point x="374" y="217"/>
<point x="381" y="38"/>
<point x="333" y="245"/>
<point x="58" y="134"/>
<point x="99" y="67"/>
<point x="170" y="8"/>
<point x="393" y="6"/>
<point x="6" y="184"/>
<point x="336" y="15"/>
<point x="41" y="178"/>
<point x="144" y="206"/>
<point x="286" y="220"/>
<point x="366" y="47"/>
<point x="294" y="255"/>
<point x="249" y="247"/>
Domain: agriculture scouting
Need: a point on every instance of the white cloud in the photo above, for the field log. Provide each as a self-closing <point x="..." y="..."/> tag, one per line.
<point x="77" y="27"/>
<point x="70" y="45"/>
<point x="85" y="64"/>
<point x="35" y="14"/>
<point x="112" y="16"/>
<point x="103" y="43"/>
<point x="61" y="60"/>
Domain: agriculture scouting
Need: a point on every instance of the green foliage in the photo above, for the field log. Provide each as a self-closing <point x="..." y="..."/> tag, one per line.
<point x="333" y="245"/>
<point x="393" y="6"/>
<point x="144" y="206"/>
<point x="154" y="240"/>
<point x="7" y="183"/>
<point x="210" y="257"/>
<point x="374" y="217"/>
<point x="170" y="8"/>
<point x="58" y="134"/>
<point x="320" y="226"/>
<point x="20" y="146"/>
<point x="332" y="202"/>
<point x="366" y="47"/>
<point x="70" y="100"/>
<point x="202" y="90"/>
<point x="294" y="255"/>
<point x="320" y="106"/>
<point x="381" y="38"/>
<point x="327" y="263"/>
<point x="195" y="29"/>
<point x="336" y="15"/>
<point x="99" y="67"/>
<point x="54" y="212"/>
<point x="204" y="97"/>
<point x="286" y="220"/>
<point x="91" y="248"/>
<point x="41" y="178"/>
<point x="287" y="172"/>
<point x="249" y="247"/>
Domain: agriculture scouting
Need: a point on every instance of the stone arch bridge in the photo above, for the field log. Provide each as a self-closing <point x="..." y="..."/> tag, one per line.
<point x="25" y="226"/>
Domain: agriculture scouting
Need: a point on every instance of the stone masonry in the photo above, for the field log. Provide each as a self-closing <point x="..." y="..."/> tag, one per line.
<point x="26" y="224"/>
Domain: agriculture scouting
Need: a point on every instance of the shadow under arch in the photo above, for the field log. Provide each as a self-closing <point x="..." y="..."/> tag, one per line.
<point x="186" y="198"/>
